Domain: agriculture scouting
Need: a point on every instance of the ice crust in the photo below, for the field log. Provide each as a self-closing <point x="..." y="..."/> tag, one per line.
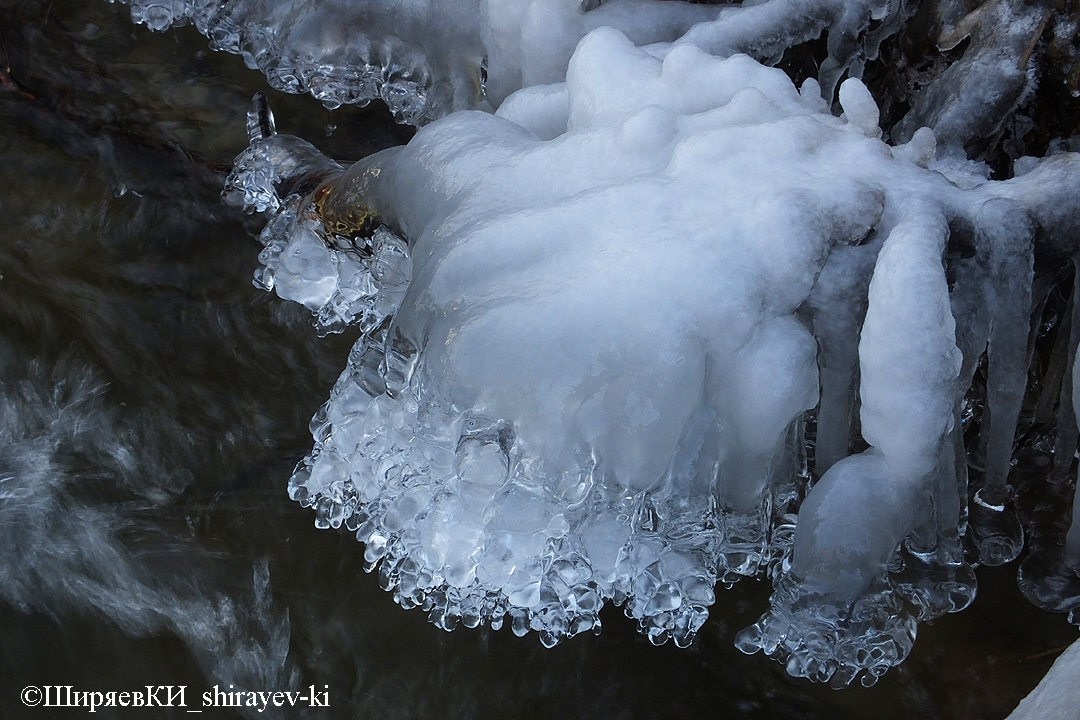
<point x="426" y="58"/>
<point x="608" y="307"/>
<point x="423" y="58"/>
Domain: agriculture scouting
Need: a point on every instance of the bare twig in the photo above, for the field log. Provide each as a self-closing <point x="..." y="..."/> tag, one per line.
<point x="7" y="82"/>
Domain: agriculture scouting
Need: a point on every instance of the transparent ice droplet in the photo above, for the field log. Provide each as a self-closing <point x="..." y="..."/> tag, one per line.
<point x="260" y="119"/>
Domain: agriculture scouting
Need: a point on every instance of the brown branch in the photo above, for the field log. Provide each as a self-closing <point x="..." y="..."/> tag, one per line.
<point x="7" y="82"/>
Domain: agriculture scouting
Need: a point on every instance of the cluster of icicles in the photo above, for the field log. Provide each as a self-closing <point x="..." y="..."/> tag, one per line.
<point x="668" y="322"/>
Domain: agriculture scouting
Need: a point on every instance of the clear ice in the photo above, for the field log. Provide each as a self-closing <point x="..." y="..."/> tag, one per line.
<point x="423" y="58"/>
<point x="597" y="324"/>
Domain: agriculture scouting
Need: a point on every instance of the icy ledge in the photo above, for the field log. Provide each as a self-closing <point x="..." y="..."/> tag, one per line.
<point x="592" y="326"/>
<point x="344" y="51"/>
<point x="427" y="58"/>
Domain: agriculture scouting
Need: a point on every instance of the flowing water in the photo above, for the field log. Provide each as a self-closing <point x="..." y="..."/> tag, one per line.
<point x="153" y="404"/>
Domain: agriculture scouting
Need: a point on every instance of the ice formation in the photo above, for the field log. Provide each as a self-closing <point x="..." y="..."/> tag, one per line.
<point x="586" y="360"/>
<point x="664" y="320"/>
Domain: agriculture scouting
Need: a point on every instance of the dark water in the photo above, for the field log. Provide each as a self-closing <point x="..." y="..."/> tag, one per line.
<point x="153" y="403"/>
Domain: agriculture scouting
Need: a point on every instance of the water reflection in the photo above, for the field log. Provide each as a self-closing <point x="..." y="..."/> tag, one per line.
<point x="152" y="404"/>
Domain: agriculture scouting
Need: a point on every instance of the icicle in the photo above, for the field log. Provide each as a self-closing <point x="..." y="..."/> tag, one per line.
<point x="260" y="120"/>
<point x="1007" y="232"/>
<point x="1050" y="576"/>
<point x="838" y="306"/>
<point x="932" y="574"/>
<point x="972" y="330"/>
<point x="1054" y="377"/>
<point x="1065" y="445"/>
<point x="1072" y="538"/>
